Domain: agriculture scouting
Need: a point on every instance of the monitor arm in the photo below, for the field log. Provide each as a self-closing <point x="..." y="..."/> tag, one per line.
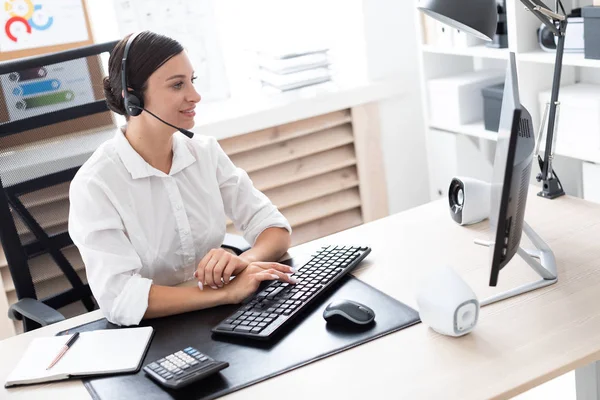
<point x="541" y="260"/>
<point x="556" y="21"/>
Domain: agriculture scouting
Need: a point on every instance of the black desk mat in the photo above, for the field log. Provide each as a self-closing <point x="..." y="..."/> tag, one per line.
<point x="251" y="361"/>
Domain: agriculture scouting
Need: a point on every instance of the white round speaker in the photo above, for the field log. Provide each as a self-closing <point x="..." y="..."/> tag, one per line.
<point x="469" y="200"/>
<point x="446" y="303"/>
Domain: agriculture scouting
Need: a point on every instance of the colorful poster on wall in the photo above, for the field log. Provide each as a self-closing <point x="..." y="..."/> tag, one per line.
<point x="42" y="90"/>
<point x="27" y="24"/>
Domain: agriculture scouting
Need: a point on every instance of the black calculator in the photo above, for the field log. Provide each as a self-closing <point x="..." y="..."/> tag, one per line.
<point x="183" y="367"/>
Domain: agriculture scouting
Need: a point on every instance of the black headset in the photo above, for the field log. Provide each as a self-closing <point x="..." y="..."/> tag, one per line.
<point x="134" y="102"/>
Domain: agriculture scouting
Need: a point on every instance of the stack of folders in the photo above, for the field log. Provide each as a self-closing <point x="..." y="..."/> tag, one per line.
<point x="293" y="70"/>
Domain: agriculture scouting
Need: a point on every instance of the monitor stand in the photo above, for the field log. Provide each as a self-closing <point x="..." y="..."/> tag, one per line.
<point x="541" y="260"/>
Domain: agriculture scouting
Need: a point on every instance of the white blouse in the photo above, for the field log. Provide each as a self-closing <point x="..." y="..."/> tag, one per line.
<point x="135" y="225"/>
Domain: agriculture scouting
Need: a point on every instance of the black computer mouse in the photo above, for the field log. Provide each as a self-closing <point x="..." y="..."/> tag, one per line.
<point x="348" y="312"/>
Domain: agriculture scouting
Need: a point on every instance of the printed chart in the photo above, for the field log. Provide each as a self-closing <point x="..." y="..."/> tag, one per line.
<point x="41" y="90"/>
<point x="27" y="24"/>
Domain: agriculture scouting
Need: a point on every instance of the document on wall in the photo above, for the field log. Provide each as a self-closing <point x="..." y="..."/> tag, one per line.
<point x="193" y="24"/>
<point x="28" y="24"/>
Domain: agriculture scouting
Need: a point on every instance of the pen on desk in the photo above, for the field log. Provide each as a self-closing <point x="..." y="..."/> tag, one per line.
<point x="64" y="349"/>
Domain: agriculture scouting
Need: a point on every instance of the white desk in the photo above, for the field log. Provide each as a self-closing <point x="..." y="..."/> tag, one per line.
<point x="518" y="344"/>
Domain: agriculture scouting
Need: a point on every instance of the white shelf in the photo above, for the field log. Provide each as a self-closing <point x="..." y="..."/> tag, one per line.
<point x="476" y="129"/>
<point x="569" y="59"/>
<point x="474" y="51"/>
<point x="581" y="153"/>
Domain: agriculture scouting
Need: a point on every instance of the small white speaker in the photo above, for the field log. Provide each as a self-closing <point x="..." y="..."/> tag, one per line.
<point x="469" y="200"/>
<point x="447" y="304"/>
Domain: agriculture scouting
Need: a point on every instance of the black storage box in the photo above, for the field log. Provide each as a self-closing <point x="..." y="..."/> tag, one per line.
<point x="591" y="32"/>
<point x="492" y="105"/>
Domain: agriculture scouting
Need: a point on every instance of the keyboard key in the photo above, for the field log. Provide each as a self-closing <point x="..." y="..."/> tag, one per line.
<point x="275" y="292"/>
<point x="242" y="329"/>
<point x="256" y="330"/>
<point x="226" y="327"/>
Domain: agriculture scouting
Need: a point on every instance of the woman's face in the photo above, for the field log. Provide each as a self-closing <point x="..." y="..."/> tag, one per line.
<point x="170" y="93"/>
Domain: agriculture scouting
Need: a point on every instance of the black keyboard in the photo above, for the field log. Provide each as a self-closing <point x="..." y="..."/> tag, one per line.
<point x="268" y="310"/>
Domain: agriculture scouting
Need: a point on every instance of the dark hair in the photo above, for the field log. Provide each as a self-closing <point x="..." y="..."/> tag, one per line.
<point x="146" y="54"/>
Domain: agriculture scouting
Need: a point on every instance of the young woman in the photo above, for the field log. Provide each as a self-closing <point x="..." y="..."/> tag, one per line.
<point x="148" y="209"/>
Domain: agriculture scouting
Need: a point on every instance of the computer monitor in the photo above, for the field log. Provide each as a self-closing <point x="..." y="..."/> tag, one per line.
<point x="511" y="176"/>
<point x="509" y="188"/>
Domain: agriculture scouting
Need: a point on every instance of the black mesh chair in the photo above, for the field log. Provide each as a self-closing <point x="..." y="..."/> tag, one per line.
<point x="54" y="118"/>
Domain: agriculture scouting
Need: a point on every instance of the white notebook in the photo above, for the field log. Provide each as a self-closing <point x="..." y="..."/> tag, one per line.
<point x="93" y="353"/>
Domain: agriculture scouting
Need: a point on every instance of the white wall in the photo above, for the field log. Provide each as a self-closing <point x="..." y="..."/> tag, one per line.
<point x="391" y="49"/>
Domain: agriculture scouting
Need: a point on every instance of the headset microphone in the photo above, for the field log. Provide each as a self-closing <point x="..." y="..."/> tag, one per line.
<point x="134" y="104"/>
<point x="187" y="133"/>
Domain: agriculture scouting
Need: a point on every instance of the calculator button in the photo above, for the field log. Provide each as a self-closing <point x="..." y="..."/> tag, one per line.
<point x="162" y="360"/>
<point x="194" y="362"/>
<point x="188" y="349"/>
<point x="204" y="358"/>
<point x="185" y="366"/>
<point x="153" y="366"/>
<point x="178" y="372"/>
<point x="180" y="354"/>
<point x="168" y="376"/>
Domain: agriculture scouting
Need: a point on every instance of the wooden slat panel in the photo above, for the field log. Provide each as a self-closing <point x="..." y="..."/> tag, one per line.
<point x="303" y="168"/>
<point x="45" y="196"/>
<point x="50" y="230"/>
<point x="322" y="207"/>
<point x="277" y="134"/>
<point x="313" y="188"/>
<point x="367" y="133"/>
<point x="269" y="156"/>
<point x="49" y="287"/>
<point x="307" y="206"/>
<point x="44" y="266"/>
<point x="326" y="226"/>
<point x="47" y="215"/>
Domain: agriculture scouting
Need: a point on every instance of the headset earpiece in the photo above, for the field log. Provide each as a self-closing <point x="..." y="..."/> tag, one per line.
<point x="133" y="101"/>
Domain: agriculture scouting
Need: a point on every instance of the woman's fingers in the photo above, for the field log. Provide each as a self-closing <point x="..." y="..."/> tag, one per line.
<point x="282" y="276"/>
<point x="218" y="270"/>
<point x="199" y="274"/>
<point x="265" y="276"/>
<point x="276" y="266"/>
<point x="228" y="271"/>
<point x="208" y="272"/>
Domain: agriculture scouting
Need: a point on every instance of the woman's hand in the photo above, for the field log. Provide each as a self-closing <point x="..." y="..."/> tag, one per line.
<point x="217" y="267"/>
<point x="250" y="278"/>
